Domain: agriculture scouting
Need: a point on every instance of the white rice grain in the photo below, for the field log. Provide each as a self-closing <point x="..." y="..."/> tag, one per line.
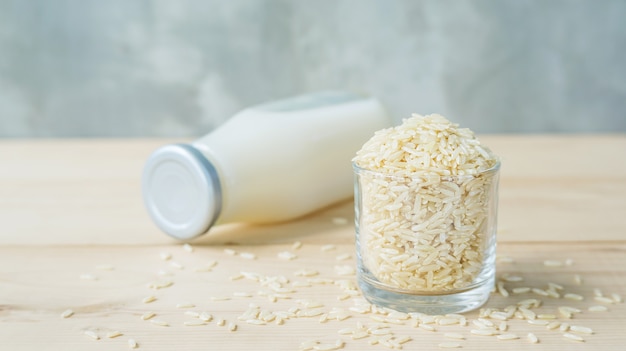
<point x="454" y="336"/>
<point x="247" y="255"/>
<point x="219" y="298"/>
<point x="483" y="332"/>
<point x="88" y="276"/>
<point x="177" y="265"/>
<point x="553" y="325"/>
<point x="255" y="321"/>
<point x="114" y="334"/>
<point x="574" y="297"/>
<point x="165" y="256"/>
<point x="360" y="335"/>
<point x="617" y="298"/>
<point x="149" y="299"/>
<point x="241" y="294"/>
<point x="185" y="305"/>
<point x="132" y="344"/>
<point x="148" y="315"/>
<point x="552" y="263"/>
<point x="67" y="314"/>
<point x="159" y="322"/>
<point x="449" y="345"/>
<point x="194" y="323"/>
<point x="578" y="279"/>
<point x="546" y="316"/>
<point x="287" y="256"/>
<point x="328" y="247"/>
<point x="512" y="278"/>
<point x="343" y="257"/>
<point x="598" y="308"/>
<point x="574" y="337"/>
<point x="308" y="345"/>
<point x="427" y="327"/>
<point x="345" y="270"/>
<point x="329" y="347"/>
<point x="92" y="334"/>
<point x="604" y="299"/>
<point x="532" y="338"/>
<point x="580" y="329"/>
<point x="306" y="273"/>
<point x="339" y="221"/>
<point x="160" y="284"/>
<point x="230" y="252"/>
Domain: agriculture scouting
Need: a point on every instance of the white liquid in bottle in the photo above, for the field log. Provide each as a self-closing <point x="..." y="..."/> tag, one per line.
<point x="272" y="162"/>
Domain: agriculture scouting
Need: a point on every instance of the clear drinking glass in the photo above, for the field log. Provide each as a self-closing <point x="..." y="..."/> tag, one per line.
<point x="426" y="243"/>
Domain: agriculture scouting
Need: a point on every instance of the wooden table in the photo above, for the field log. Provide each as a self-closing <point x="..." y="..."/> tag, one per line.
<point x="75" y="236"/>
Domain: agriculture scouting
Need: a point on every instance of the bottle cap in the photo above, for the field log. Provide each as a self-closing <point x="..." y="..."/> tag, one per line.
<point x="181" y="191"/>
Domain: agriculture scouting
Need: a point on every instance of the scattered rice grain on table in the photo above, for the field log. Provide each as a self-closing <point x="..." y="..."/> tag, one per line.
<point x="507" y="337"/>
<point x="581" y="329"/>
<point x="340" y="221"/>
<point x="185" y="305"/>
<point x="286" y="255"/>
<point x="574" y="337"/>
<point x="454" y="336"/>
<point x="149" y="299"/>
<point x="328" y="247"/>
<point x="88" y="276"/>
<point x="67" y="313"/>
<point x="598" y="308"/>
<point x="132" y="344"/>
<point x="92" y="334"/>
<point x="552" y="263"/>
<point x="148" y="315"/>
<point x="159" y="322"/>
<point x="165" y="256"/>
<point x="248" y="256"/>
<point x="114" y="334"/>
<point x="449" y="345"/>
<point x="177" y="265"/>
<point x="194" y="323"/>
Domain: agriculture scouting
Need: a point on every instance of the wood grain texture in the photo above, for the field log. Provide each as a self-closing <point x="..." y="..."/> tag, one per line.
<point x="39" y="283"/>
<point x="68" y="206"/>
<point x="553" y="188"/>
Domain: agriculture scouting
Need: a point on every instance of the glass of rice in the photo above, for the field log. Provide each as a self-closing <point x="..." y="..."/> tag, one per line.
<point x="426" y="198"/>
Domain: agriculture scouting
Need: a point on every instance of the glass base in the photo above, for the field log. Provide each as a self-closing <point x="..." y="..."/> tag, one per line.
<point x="430" y="304"/>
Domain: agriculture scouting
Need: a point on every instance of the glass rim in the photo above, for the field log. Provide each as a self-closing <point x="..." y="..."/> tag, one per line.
<point x="489" y="171"/>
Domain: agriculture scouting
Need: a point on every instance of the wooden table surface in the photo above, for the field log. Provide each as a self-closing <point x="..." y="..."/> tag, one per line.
<point x="75" y="236"/>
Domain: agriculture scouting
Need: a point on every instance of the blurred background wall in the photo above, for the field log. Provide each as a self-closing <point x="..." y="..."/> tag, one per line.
<point x="179" y="68"/>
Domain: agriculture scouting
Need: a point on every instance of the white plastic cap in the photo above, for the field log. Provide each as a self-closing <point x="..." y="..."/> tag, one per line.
<point x="181" y="191"/>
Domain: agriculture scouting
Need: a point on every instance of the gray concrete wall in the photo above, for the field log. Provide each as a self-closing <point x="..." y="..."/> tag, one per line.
<point x="179" y="68"/>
